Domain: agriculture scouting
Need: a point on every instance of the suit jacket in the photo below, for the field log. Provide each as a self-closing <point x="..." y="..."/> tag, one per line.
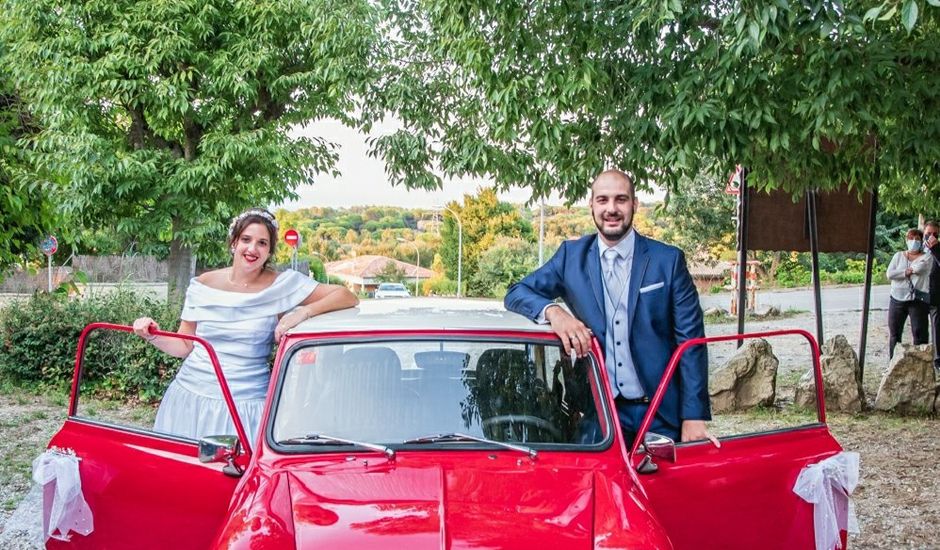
<point x="934" y="284"/>
<point x="663" y="310"/>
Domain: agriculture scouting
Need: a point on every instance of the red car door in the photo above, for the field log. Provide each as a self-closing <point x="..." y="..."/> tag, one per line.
<point x="740" y="495"/>
<point x="145" y="490"/>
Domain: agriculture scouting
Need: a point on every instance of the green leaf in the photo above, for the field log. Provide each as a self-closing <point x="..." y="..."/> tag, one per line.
<point x="753" y="30"/>
<point x="909" y="15"/>
<point x="872" y="13"/>
<point x="934" y="3"/>
<point x="889" y="14"/>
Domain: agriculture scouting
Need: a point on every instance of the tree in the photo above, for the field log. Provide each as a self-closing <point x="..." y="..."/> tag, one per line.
<point x="484" y="219"/>
<point x="507" y="261"/>
<point x="163" y="119"/>
<point x="25" y="213"/>
<point x="806" y="94"/>
<point x="390" y="273"/>
<point x="699" y="219"/>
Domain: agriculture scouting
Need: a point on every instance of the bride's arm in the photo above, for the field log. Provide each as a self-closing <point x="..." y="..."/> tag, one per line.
<point x="323" y="299"/>
<point x="177" y="347"/>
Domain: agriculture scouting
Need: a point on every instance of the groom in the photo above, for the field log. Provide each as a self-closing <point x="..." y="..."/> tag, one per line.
<point x="636" y="295"/>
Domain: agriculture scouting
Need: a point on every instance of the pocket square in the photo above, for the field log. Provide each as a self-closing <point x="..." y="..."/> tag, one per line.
<point x="654" y="286"/>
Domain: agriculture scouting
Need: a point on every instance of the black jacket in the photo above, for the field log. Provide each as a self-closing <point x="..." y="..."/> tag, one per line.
<point x="934" y="287"/>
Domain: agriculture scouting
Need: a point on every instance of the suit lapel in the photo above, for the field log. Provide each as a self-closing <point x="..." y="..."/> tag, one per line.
<point x="593" y="264"/>
<point x="641" y="260"/>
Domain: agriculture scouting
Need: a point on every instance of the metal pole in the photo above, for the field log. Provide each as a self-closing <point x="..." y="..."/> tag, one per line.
<point x="869" y="262"/>
<point x="742" y="251"/>
<point x="814" y="250"/>
<point x="50" y="271"/>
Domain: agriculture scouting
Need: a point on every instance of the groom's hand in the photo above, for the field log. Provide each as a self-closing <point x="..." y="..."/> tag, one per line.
<point x="573" y="333"/>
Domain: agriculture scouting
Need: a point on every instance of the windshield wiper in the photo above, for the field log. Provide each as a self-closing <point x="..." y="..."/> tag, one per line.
<point x="455" y="436"/>
<point x="331" y="440"/>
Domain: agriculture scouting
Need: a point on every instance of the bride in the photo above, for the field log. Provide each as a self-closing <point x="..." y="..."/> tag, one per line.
<point x="240" y="310"/>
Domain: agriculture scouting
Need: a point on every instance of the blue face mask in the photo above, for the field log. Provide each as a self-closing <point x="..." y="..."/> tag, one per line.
<point x="914" y="245"/>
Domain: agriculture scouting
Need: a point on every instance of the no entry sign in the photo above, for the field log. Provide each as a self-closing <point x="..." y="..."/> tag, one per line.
<point x="292" y="238"/>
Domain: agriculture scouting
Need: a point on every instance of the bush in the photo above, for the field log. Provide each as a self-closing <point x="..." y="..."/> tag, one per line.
<point x="793" y="274"/>
<point x="438" y="286"/>
<point x="38" y="339"/>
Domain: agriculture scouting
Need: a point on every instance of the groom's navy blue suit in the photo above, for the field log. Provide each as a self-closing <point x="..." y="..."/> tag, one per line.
<point x="663" y="311"/>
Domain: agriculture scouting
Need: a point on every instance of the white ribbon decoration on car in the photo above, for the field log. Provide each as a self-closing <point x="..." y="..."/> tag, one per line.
<point x="67" y="510"/>
<point x="828" y="486"/>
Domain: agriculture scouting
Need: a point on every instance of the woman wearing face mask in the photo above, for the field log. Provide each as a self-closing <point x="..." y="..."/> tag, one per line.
<point x="242" y="310"/>
<point x="908" y="271"/>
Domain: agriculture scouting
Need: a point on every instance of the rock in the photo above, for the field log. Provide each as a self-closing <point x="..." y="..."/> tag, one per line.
<point x="841" y="387"/>
<point x="715" y="312"/>
<point x="747" y="380"/>
<point x="910" y="383"/>
<point x="772" y="312"/>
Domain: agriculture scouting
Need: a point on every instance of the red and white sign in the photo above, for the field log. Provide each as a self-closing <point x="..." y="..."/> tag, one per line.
<point x="734" y="182"/>
<point x="292" y="238"/>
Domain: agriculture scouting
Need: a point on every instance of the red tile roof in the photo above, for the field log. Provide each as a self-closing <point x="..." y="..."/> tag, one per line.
<point x="369" y="267"/>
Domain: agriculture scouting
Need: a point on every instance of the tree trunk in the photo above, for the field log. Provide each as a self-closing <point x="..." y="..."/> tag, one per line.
<point x="182" y="266"/>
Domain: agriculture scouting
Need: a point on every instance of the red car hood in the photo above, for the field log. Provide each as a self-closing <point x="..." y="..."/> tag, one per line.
<point x="519" y="505"/>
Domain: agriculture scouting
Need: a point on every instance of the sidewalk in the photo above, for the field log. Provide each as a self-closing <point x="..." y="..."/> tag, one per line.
<point x="834" y="299"/>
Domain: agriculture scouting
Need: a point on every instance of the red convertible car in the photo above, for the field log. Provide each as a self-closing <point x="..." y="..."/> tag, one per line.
<point x="438" y="424"/>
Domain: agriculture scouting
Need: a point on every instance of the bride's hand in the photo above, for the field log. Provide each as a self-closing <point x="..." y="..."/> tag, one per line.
<point x="143" y="327"/>
<point x="289" y="321"/>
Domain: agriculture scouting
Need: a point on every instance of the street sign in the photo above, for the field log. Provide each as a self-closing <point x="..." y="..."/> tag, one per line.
<point x="292" y="238"/>
<point x="49" y="245"/>
<point x="734" y="182"/>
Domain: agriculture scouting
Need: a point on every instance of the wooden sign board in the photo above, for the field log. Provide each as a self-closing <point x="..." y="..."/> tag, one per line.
<point x="775" y="222"/>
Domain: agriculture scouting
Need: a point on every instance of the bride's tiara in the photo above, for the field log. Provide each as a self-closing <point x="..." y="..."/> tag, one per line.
<point x="252" y="212"/>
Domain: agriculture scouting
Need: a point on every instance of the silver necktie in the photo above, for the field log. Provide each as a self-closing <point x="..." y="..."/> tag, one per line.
<point x="613" y="275"/>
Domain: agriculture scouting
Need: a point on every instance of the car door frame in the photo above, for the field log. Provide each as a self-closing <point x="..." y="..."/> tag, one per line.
<point x="741" y="494"/>
<point x="147" y="489"/>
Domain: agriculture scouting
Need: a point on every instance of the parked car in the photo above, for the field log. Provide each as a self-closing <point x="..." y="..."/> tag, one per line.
<point x="437" y="423"/>
<point x="392" y="290"/>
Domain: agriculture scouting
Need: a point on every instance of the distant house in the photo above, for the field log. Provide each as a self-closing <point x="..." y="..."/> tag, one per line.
<point x="359" y="273"/>
<point x="706" y="276"/>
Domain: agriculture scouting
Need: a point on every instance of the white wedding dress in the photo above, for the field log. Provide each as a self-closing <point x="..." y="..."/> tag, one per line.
<point x="240" y="327"/>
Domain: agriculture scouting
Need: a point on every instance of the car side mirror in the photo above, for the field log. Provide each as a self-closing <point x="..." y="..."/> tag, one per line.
<point x="659" y="446"/>
<point x="221" y="448"/>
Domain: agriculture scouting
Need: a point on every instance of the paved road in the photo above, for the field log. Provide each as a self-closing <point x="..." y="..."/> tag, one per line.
<point x="841" y="298"/>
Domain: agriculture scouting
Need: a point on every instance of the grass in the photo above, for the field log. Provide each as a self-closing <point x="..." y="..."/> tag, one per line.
<point x="761" y="419"/>
<point x="29" y="417"/>
<point x="720" y="318"/>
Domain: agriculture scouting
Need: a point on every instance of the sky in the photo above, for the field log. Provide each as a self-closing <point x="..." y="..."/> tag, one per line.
<point x="363" y="182"/>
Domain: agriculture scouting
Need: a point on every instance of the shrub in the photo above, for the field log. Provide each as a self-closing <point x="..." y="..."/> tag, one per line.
<point x="438" y="286"/>
<point x="792" y="274"/>
<point x="38" y="339"/>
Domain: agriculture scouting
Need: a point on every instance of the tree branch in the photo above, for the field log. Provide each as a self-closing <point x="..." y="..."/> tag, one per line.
<point x="141" y="136"/>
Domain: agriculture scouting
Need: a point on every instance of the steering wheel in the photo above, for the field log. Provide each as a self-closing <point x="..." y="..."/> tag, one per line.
<point x="526" y="419"/>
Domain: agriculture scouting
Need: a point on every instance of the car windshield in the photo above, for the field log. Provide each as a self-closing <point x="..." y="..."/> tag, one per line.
<point x="391" y="286"/>
<point x="411" y="391"/>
